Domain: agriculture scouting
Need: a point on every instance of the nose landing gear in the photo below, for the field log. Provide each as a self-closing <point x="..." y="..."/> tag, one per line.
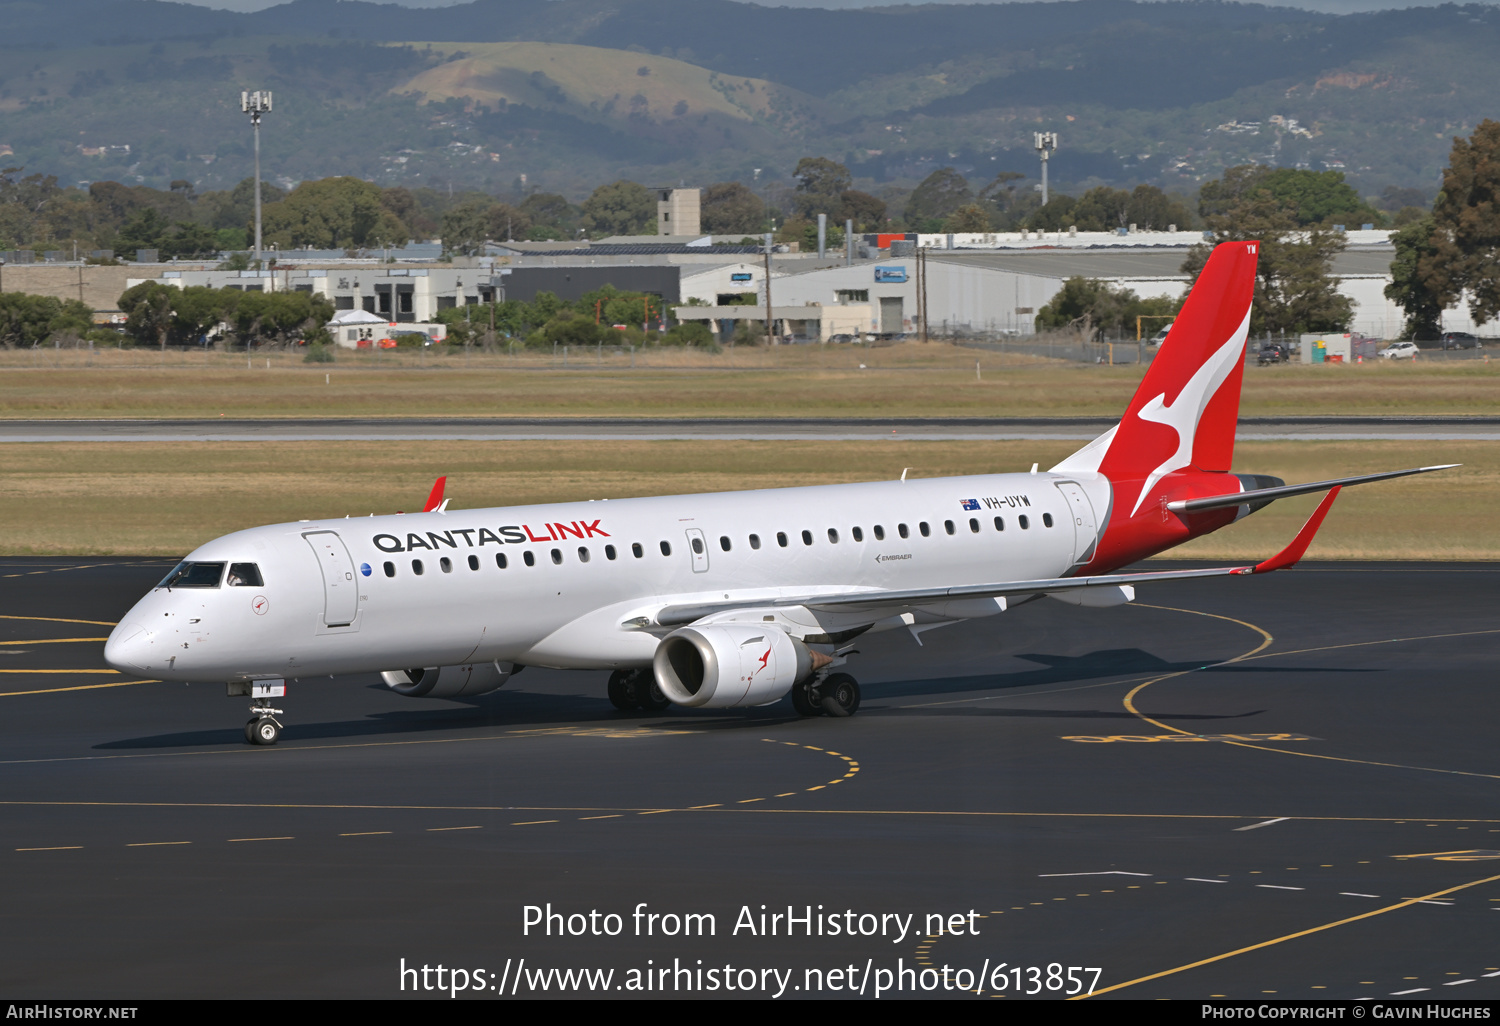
<point x="263" y="728"/>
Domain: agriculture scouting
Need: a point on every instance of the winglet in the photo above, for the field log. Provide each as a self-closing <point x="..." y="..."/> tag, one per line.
<point x="435" y="497"/>
<point x="1293" y="552"/>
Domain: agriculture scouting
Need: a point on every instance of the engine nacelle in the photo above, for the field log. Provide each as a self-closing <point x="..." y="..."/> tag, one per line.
<point x="450" y="681"/>
<point x="723" y="666"/>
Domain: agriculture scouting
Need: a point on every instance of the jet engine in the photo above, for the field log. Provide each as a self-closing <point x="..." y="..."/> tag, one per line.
<point x="723" y="666"/>
<point x="450" y="681"/>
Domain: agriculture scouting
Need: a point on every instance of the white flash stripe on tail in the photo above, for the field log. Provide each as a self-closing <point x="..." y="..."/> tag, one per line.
<point x="1183" y="414"/>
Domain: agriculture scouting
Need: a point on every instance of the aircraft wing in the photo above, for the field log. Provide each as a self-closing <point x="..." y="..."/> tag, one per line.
<point x="889" y="602"/>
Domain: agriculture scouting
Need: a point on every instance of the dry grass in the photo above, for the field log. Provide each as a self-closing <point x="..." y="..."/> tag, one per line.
<point x="903" y="380"/>
<point x="147" y="499"/>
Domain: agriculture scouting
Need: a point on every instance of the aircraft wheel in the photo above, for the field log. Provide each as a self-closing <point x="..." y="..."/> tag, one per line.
<point x="803" y="701"/>
<point x="263" y="731"/>
<point x="840" y="695"/>
<point x="621" y="693"/>
<point x="648" y="694"/>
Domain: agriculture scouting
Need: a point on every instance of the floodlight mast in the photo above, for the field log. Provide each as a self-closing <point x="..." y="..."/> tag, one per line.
<point x="1045" y="143"/>
<point x="255" y="104"/>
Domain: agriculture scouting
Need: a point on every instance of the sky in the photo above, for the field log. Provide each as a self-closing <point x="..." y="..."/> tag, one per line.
<point x="1326" y="6"/>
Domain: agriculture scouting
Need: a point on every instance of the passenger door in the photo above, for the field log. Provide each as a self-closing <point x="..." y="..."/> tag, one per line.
<point x="340" y="590"/>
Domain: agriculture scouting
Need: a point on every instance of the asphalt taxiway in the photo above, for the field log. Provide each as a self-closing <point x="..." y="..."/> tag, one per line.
<point x="1282" y="786"/>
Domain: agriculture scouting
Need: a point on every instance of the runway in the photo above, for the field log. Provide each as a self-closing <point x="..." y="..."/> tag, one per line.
<point x="1429" y="428"/>
<point x="1272" y="787"/>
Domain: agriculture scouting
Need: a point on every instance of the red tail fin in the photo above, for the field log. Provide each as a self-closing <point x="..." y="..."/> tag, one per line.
<point x="435" y="497"/>
<point x="1182" y="418"/>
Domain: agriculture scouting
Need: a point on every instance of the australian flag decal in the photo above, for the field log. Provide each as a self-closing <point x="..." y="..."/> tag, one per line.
<point x="969" y="503"/>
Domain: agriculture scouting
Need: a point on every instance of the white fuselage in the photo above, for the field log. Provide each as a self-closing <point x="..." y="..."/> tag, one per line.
<point x="572" y="605"/>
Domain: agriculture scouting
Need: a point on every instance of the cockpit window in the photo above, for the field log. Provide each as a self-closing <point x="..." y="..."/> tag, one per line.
<point x="244" y="575"/>
<point x="194" y="575"/>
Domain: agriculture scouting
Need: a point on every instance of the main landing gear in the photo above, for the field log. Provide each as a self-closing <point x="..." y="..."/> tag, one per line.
<point x="263" y="728"/>
<point x="834" y="695"/>
<point x="636" y="691"/>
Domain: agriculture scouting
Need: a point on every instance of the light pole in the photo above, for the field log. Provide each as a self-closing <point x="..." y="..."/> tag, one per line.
<point x="1045" y="143"/>
<point x="255" y="104"/>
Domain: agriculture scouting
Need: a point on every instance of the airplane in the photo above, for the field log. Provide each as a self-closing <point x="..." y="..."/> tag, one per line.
<point x="727" y="600"/>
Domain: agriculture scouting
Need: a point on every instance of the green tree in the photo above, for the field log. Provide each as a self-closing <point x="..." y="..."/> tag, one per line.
<point x="163" y="315"/>
<point x="332" y="213"/>
<point x="820" y="189"/>
<point x="1462" y="254"/>
<point x="1308" y="197"/>
<point x="1057" y="214"/>
<point x="279" y="317"/>
<point x="27" y="321"/>
<point x="971" y="217"/>
<point x="1295" y="290"/>
<point x="939" y="195"/>
<point x="620" y="208"/>
<point x="730" y="208"/>
<point x="1097" y="309"/>
<point x="148" y="312"/>
<point x="866" y="211"/>
<point x="1408" y="288"/>
<point x="552" y="216"/>
<point x="466" y="227"/>
<point x="146" y="229"/>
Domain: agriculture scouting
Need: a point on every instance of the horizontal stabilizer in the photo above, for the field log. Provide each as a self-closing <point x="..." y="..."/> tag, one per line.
<point x="1265" y="495"/>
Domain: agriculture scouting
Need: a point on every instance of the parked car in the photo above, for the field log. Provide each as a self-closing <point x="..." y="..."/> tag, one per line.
<point x="1273" y="352"/>
<point x="1400" y="351"/>
<point x="1160" y="336"/>
<point x="1461" y="340"/>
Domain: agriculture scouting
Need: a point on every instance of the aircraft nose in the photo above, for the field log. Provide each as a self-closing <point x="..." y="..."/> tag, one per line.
<point x="128" y="648"/>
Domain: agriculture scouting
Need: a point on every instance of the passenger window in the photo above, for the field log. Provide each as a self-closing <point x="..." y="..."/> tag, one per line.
<point x="1046" y="519"/>
<point x="390" y="569"/>
<point x="833" y="536"/>
<point x="244" y="575"/>
<point x="557" y="556"/>
<point x="666" y="548"/>
<point x="973" y="525"/>
<point x="724" y="542"/>
<point x="755" y="541"/>
<point x="926" y="531"/>
<point x="697" y="544"/>
<point x="636" y="550"/>
<point x="858" y="534"/>
<point x="1025" y="524"/>
<point x="948" y="526"/>
<point x="781" y="538"/>
<point x="416" y="567"/>
<point x="528" y="558"/>
<point x="446" y="564"/>
<point x="583" y="554"/>
<point x="999" y="523"/>
<point x="806" y="537"/>
<point x="500" y="560"/>
<point x="473" y="562"/>
<point x="194" y="575"/>
<point x="879" y="533"/>
<point x="902" y="531"/>
<point x="609" y="552"/>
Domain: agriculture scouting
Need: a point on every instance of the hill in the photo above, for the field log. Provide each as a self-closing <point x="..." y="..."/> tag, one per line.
<point x="491" y="90"/>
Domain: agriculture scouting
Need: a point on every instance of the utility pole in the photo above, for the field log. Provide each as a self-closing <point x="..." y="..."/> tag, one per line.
<point x="822" y="236"/>
<point x="770" y="336"/>
<point x="255" y="104"/>
<point x="921" y="290"/>
<point x="849" y="242"/>
<point x="1044" y="144"/>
